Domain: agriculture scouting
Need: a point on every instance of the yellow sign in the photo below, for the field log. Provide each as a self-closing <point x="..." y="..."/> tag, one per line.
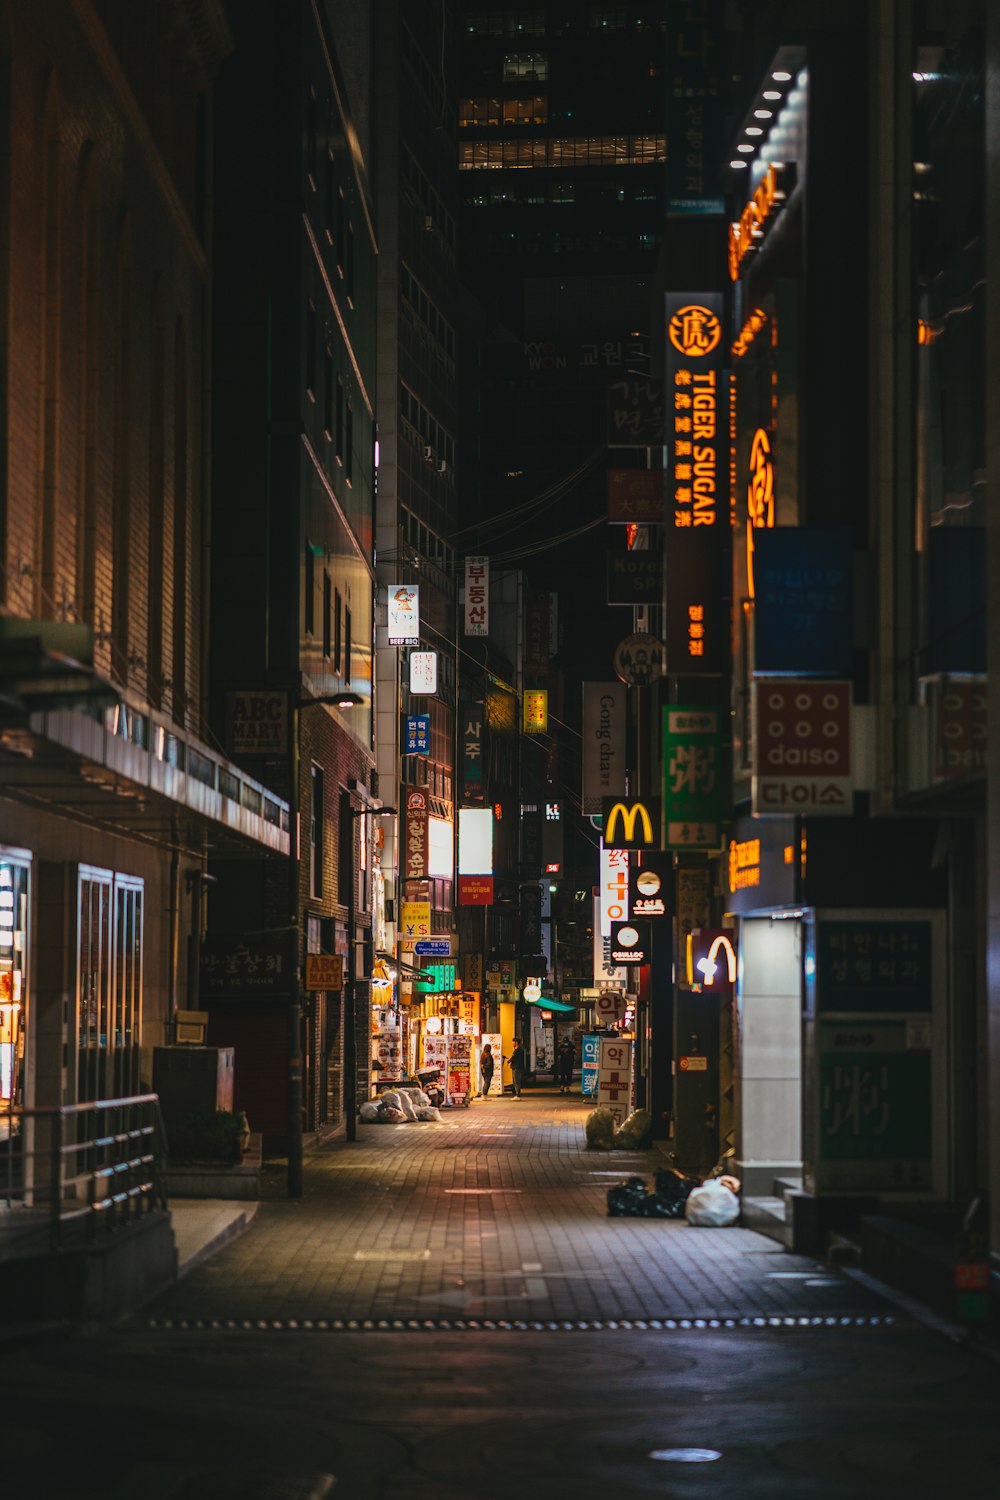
<point x="694" y="330"/>
<point x="535" y="711"/>
<point x="760" y="494"/>
<point x="745" y="236"/>
<point x="324" y="971"/>
<point x="414" y="923"/>
<point x="629" y="817"/>
<point x="744" y="864"/>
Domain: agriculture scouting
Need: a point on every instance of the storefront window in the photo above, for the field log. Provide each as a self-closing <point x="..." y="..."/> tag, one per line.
<point x="110" y="984"/>
<point x="13" y="960"/>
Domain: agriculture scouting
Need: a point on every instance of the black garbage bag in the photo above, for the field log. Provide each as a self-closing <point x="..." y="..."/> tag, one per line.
<point x="662" y="1206"/>
<point x="671" y="1190"/>
<point x="626" y="1198"/>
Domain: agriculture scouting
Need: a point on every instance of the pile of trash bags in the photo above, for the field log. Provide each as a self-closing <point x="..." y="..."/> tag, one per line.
<point x="711" y="1204"/>
<point x="398" y="1107"/>
<point x="630" y="1135"/>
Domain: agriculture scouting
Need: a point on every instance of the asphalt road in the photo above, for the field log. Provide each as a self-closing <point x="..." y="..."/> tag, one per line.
<point x="393" y="1336"/>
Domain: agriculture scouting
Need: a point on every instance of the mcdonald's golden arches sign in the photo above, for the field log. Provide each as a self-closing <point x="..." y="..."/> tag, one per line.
<point x="631" y="822"/>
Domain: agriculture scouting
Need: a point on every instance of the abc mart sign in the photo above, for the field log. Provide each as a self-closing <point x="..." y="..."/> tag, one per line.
<point x="802" y="747"/>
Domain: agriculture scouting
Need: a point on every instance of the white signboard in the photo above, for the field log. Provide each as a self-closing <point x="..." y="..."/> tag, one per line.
<point x="403" y="613"/>
<point x="477" y="596"/>
<point x="423" y="671"/>
<point x="614" y="1077"/>
<point x="802" y="747"/>
<point x="603" y="742"/>
<point x="613" y="889"/>
<point x="605" y="972"/>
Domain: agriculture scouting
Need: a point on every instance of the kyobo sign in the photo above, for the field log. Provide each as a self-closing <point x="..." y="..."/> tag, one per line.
<point x="631" y="822"/>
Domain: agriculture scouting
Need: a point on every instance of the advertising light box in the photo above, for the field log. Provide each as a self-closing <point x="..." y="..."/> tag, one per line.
<point x="475" y="841"/>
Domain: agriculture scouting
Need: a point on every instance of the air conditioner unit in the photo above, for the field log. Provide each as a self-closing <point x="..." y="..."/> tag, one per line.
<point x="428" y="453"/>
<point x="442" y="466"/>
<point x="428" y="223"/>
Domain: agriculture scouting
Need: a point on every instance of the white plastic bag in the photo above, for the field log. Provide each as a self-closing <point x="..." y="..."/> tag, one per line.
<point x="406" y="1103"/>
<point x="712" y="1206"/>
<point x="369" y="1112"/>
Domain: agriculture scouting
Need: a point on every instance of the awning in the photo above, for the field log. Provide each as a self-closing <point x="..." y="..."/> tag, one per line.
<point x="544" y="1004"/>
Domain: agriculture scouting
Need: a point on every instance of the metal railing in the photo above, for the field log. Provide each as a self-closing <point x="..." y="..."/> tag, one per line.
<point x="82" y="1170"/>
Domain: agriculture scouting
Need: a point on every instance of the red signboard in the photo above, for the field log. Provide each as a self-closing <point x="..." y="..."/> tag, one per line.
<point x="802" y="746"/>
<point x="635" y="495"/>
<point x="416" y="836"/>
<point x="960" y="730"/>
<point x="475" y="890"/>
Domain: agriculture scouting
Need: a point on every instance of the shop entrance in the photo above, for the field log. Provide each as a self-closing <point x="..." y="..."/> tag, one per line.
<point x="769" y="1025"/>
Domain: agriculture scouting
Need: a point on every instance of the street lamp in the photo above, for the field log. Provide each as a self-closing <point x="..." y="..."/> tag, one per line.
<point x="371" y="805"/>
<point x="298" y="702"/>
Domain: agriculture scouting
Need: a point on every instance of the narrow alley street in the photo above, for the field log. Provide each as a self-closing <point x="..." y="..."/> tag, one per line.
<point x="448" y="1312"/>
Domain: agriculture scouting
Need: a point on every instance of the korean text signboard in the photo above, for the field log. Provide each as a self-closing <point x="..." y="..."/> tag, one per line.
<point x="802" y="746"/>
<point x="635" y="495"/>
<point x="613" y="891"/>
<point x="697" y="411"/>
<point x="471" y="740"/>
<point x="414" y="923"/>
<point x="614" y="1077"/>
<point x="873" y="966"/>
<point x="697" y="624"/>
<point x="603" y="743"/>
<point x="258" y="967"/>
<point x="635" y="413"/>
<point x="606" y="973"/>
<point x="415" y="853"/>
<point x="423" y="671"/>
<point x="635" y="578"/>
<point x="477" y="596"/>
<point x="418" y="734"/>
<point x="694" y="107"/>
<point x="693" y="780"/>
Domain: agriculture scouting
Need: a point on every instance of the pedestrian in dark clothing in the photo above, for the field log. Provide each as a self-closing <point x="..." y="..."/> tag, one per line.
<point x="516" y="1064"/>
<point x="565" y="1060"/>
<point x="486" y="1069"/>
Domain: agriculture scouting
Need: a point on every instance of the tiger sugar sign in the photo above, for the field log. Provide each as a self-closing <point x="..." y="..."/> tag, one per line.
<point x="697" y="405"/>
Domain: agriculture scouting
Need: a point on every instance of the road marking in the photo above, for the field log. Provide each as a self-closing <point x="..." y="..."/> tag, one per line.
<point x="392" y="1254"/>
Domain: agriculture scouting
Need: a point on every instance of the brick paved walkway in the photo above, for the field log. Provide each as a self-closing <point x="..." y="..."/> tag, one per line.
<point x="498" y="1212"/>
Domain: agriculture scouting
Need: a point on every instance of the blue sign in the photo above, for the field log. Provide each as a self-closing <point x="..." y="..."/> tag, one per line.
<point x="591" y="1056"/>
<point x="433" y="947"/>
<point x="804" y="608"/>
<point x="418" y="734"/>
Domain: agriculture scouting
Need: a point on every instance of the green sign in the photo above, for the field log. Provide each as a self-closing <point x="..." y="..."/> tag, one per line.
<point x="873" y="966"/>
<point x="437" y="978"/>
<point x="875" y="1105"/>
<point x="693" y="777"/>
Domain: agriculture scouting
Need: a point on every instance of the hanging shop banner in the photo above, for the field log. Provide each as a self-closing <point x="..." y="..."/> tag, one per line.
<point x="635" y="578"/>
<point x="535" y="711"/>
<point x="650" y="885"/>
<point x="697" y="405"/>
<point x="803" y="609"/>
<point x="801" y="747"/>
<point x="693" y="780"/>
<point x="635" y="413"/>
<point x="631" y="822"/>
<point x="606" y="973"/>
<point x="960" y="728"/>
<point x="416" y="836"/>
<point x="635" y="495"/>
<point x="477" y="596"/>
<point x="414" y="924"/>
<point x="697" y="623"/>
<point x="471" y="741"/>
<point x="630" y="943"/>
<point x="694" y="107"/>
<point x="423" y="671"/>
<point x="418" y="734"/>
<point x="475" y="890"/>
<point x="639" y="660"/>
<point x="537" y="615"/>
<point x="613" y="890"/>
<point x="603" y="743"/>
<point x="403" y="614"/>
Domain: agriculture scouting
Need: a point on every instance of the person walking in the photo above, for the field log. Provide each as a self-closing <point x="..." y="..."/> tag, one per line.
<point x="485" y="1070"/>
<point x="516" y="1064"/>
<point x="565" y="1060"/>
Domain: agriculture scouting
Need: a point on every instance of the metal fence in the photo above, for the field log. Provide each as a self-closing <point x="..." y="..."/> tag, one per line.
<point x="83" y="1170"/>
